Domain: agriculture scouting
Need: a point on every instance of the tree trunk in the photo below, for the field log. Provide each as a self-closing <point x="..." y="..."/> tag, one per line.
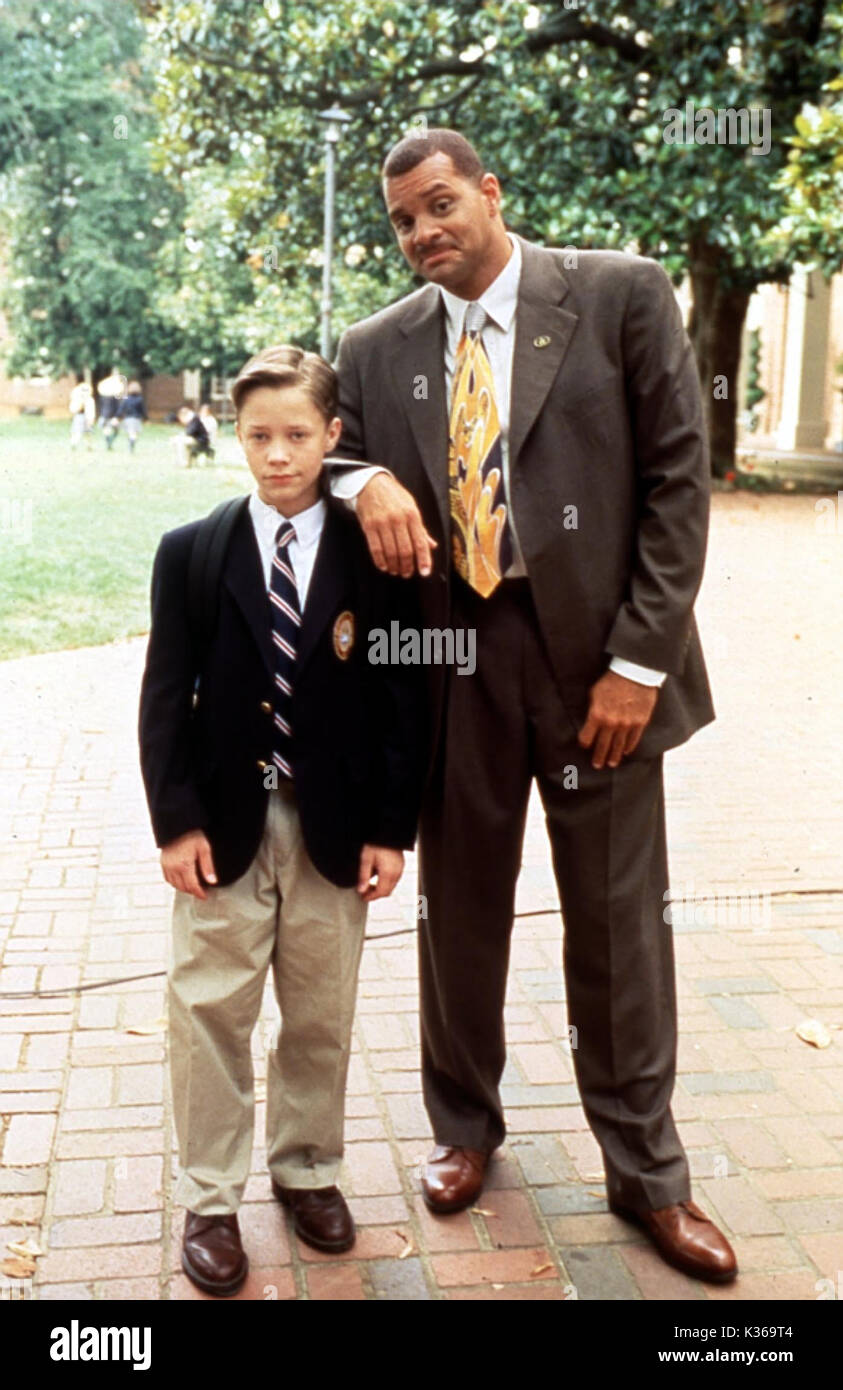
<point x="715" y="329"/>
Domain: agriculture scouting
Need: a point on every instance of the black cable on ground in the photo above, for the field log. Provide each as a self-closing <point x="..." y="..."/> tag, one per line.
<point x="384" y="935"/>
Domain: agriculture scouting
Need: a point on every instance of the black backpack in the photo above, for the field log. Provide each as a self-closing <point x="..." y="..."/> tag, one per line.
<point x="205" y="569"/>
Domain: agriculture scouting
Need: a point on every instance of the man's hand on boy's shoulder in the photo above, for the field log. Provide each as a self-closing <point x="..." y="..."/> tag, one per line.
<point x="393" y="527"/>
<point x="185" y="859"/>
<point x="380" y="870"/>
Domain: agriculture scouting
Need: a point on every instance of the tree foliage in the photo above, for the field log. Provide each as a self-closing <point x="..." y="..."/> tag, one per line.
<point x="567" y="105"/>
<point x="84" y="213"/>
<point x="568" y="108"/>
<point x="567" y="102"/>
<point x="812" y="179"/>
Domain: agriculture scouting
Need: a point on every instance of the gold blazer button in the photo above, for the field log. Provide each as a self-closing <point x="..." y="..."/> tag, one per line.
<point x="541" y="341"/>
<point x="266" y="707"/>
<point x="261" y="765"/>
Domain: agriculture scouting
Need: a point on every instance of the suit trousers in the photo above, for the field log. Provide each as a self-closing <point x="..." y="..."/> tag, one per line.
<point x="504" y="725"/>
<point x="284" y="913"/>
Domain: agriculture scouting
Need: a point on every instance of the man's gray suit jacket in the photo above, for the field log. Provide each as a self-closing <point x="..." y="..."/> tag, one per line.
<point x="605" y="418"/>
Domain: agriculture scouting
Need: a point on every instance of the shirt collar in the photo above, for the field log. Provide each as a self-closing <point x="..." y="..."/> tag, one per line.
<point x="308" y="524"/>
<point x="500" y="299"/>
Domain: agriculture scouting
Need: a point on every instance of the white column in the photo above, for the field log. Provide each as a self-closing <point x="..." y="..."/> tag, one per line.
<point x="803" y="423"/>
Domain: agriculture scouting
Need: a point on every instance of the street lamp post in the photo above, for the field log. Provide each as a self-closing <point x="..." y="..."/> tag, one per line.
<point x="334" y="120"/>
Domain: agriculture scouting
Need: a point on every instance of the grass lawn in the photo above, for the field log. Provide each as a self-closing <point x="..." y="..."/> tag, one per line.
<point x="78" y="532"/>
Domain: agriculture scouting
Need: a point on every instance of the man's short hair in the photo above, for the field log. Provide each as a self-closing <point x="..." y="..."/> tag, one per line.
<point x="286" y="365"/>
<point x="421" y="144"/>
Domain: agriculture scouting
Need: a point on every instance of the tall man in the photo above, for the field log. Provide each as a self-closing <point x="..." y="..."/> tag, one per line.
<point x="540" y="413"/>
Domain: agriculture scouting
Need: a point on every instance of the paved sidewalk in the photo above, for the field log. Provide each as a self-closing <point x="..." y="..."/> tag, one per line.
<point x="755" y="821"/>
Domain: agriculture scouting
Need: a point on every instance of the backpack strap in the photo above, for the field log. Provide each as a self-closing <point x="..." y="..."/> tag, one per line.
<point x="206" y="561"/>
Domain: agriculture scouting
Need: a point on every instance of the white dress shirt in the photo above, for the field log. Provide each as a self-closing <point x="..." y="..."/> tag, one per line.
<point x="500" y="301"/>
<point x="302" y="551"/>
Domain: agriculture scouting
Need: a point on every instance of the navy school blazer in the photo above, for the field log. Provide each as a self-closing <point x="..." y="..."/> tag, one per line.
<point x="206" y="710"/>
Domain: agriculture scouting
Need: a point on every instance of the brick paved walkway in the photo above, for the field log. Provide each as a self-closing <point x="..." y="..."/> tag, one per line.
<point x="756" y="808"/>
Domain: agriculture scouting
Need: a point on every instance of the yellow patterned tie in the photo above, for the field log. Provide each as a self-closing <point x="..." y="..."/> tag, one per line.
<point x="480" y="537"/>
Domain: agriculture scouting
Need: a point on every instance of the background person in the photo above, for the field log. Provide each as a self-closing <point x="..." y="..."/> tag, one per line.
<point x="194" y="441"/>
<point x="131" y="413"/>
<point x="83" y="414"/>
<point x="211" y="423"/>
<point x="110" y="392"/>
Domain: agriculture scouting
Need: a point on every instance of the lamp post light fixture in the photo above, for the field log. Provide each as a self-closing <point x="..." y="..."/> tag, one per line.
<point x="334" y="120"/>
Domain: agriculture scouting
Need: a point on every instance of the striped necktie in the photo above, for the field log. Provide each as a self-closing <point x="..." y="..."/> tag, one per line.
<point x="286" y="621"/>
<point x="481" y="542"/>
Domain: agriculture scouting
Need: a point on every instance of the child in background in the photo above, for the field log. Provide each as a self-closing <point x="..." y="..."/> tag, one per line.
<point x="211" y="424"/>
<point x="110" y="392"/>
<point x="83" y="415"/>
<point x="194" y="442"/>
<point x="131" y="413"/>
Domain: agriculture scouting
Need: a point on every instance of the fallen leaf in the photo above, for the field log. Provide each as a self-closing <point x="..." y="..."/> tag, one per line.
<point x="409" y="1248"/>
<point x="17" y="1268"/>
<point x="810" y="1030"/>
<point x="481" y="1211"/>
<point x="26" y="1248"/>
<point x="540" y="1269"/>
<point x="143" y="1030"/>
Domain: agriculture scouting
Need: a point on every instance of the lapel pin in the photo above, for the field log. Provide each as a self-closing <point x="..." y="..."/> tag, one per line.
<point x="542" y="341"/>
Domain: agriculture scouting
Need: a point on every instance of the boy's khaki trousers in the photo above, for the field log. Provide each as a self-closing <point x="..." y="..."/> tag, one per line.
<point x="284" y="912"/>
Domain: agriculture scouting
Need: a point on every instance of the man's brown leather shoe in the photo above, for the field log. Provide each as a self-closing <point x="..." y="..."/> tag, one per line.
<point x="453" y="1178"/>
<point x="688" y="1240"/>
<point x="320" y="1216"/>
<point x="212" y="1254"/>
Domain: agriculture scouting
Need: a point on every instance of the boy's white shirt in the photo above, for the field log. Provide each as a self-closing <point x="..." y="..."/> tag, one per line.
<point x="302" y="551"/>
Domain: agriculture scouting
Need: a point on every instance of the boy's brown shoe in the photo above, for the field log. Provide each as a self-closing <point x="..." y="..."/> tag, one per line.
<point x="320" y="1216"/>
<point x="213" y="1255"/>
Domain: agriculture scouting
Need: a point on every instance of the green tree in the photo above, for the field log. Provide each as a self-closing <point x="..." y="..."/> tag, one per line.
<point x="812" y="179"/>
<point x="568" y="107"/>
<point x="225" y="291"/>
<point x="84" y="214"/>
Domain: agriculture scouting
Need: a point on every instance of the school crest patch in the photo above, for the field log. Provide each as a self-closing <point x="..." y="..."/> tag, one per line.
<point x="344" y="635"/>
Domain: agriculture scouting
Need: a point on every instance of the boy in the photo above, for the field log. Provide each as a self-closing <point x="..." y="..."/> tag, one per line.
<point x="83" y="414"/>
<point x="110" y="392"/>
<point x="195" y="441"/>
<point x="283" y="776"/>
<point x="131" y="413"/>
<point x="211" y="425"/>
